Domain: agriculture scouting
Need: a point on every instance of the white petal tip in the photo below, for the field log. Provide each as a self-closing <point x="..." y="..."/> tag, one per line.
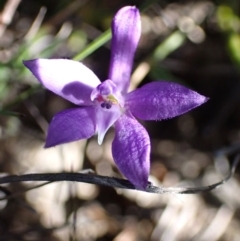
<point x="100" y="138"/>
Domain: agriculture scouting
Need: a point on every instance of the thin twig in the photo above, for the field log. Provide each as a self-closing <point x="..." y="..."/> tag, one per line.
<point x="7" y="14"/>
<point x="36" y="24"/>
<point x="66" y="12"/>
<point x="36" y="114"/>
<point x="11" y="195"/>
<point x="115" y="182"/>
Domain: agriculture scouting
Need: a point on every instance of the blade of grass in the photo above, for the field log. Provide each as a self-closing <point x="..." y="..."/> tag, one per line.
<point x="94" y="45"/>
<point x="10" y="113"/>
<point x="24" y="95"/>
<point x="170" y="44"/>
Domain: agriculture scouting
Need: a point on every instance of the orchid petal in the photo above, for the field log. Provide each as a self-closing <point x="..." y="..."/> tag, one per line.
<point x="71" y="125"/>
<point x="67" y="78"/>
<point x="162" y="100"/>
<point x="105" y="119"/>
<point x="131" y="151"/>
<point x="126" y="31"/>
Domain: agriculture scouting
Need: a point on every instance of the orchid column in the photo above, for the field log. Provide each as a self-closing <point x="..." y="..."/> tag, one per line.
<point x="103" y="104"/>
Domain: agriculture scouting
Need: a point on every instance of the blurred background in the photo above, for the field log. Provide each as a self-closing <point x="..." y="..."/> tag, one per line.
<point x="194" y="43"/>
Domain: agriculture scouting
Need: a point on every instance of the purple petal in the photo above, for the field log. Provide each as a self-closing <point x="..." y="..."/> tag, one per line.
<point x="67" y="78"/>
<point x="105" y="119"/>
<point x="162" y="100"/>
<point x="71" y="125"/>
<point x="126" y="31"/>
<point x="131" y="151"/>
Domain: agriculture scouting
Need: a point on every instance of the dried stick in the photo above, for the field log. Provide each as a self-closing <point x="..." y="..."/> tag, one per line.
<point x="7" y="14"/>
<point x="116" y="182"/>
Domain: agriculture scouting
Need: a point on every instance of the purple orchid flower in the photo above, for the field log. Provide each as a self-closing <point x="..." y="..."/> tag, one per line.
<point x="107" y="103"/>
